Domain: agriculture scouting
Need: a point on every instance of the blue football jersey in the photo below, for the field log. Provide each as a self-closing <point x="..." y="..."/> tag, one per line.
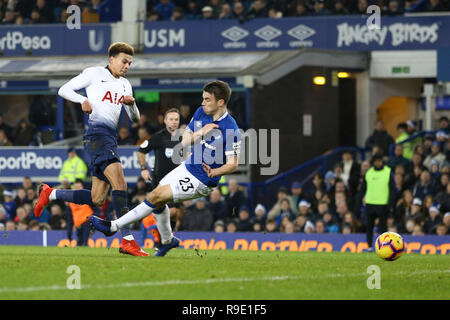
<point x="215" y="146"/>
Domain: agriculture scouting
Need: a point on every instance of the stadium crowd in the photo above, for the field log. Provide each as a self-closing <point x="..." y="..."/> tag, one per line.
<point x="54" y="11"/>
<point x="333" y="203"/>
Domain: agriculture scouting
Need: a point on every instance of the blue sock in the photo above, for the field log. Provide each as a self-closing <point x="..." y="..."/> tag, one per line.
<point x="82" y="196"/>
<point x="120" y="201"/>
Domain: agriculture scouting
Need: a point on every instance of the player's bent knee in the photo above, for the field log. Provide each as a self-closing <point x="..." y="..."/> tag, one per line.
<point x="98" y="202"/>
<point x="156" y="198"/>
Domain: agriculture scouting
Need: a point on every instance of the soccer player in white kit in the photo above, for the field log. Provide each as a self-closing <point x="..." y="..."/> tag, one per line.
<point x="107" y="92"/>
<point x="215" y="141"/>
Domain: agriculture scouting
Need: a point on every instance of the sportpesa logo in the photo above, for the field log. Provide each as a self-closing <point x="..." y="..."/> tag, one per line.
<point x="15" y="39"/>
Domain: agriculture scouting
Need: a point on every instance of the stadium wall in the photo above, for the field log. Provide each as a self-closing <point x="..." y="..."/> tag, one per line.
<point x="236" y="241"/>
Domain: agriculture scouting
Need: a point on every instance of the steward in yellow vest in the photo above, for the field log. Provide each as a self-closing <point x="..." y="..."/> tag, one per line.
<point x="379" y="189"/>
<point x="73" y="168"/>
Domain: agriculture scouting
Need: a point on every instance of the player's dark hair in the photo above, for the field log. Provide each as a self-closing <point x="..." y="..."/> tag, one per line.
<point x="170" y="111"/>
<point x="220" y="90"/>
<point x="118" y="47"/>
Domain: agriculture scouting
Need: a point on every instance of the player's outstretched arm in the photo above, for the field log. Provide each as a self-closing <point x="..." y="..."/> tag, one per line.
<point x="227" y="168"/>
<point x="131" y="108"/>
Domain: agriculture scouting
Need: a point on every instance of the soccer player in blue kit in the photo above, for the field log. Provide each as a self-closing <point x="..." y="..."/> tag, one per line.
<point x="215" y="141"/>
<point x="107" y="92"/>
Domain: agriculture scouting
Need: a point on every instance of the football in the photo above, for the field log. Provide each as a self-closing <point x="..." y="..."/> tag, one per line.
<point x="389" y="246"/>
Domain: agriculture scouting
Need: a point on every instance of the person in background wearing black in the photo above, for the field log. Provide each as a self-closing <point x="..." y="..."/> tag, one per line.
<point x="163" y="144"/>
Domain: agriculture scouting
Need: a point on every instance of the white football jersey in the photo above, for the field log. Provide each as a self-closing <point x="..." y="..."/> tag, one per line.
<point x="105" y="94"/>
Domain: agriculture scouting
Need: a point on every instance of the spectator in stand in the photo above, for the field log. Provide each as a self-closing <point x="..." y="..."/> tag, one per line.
<point x="219" y="226"/>
<point x="177" y="14"/>
<point x="45" y="10"/>
<point x="198" y="217"/>
<point x="257" y="10"/>
<point x="207" y="13"/>
<point x="319" y="8"/>
<point x="4" y="141"/>
<point x="216" y="6"/>
<point x="21" y="197"/>
<point x="319" y="226"/>
<point x="350" y="220"/>
<point x="339" y="8"/>
<point x="217" y="205"/>
<point x="143" y="122"/>
<point x="27" y="183"/>
<point x="260" y="215"/>
<point x="9" y="17"/>
<point x="10" y="226"/>
<point x="446" y="220"/>
<point x="330" y="180"/>
<point x="380" y="137"/>
<point x="5" y="128"/>
<point x="435" y="6"/>
<point x="331" y="225"/>
<point x="318" y="183"/>
<point x="352" y="170"/>
<point x="398" y="158"/>
<point x="143" y="135"/>
<point x="275" y="211"/>
<point x="423" y="187"/>
<point x="239" y="11"/>
<point x="297" y="195"/>
<point x="191" y="13"/>
<point x="433" y="219"/>
<point x="444" y="124"/>
<point x="285" y="212"/>
<point x="231" y="226"/>
<point x="393" y="8"/>
<point x="301" y="9"/>
<point x="21" y="215"/>
<point x="427" y="142"/>
<point x="23" y="134"/>
<point x="234" y="199"/>
<point x="271" y="226"/>
<point x="165" y="9"/>
<point x="402" y="130"/>
<point x="57" y="219"/>
<point x="440" y="185"/>
<point x="411" y="128"/>
<point x="442" y="230"/>
<point x="153" y="16"/>
<point x="244" y="223"/>
<point x="225" y="12"/>
<point x="125" y="139"/>
<point x="9" y="205"/>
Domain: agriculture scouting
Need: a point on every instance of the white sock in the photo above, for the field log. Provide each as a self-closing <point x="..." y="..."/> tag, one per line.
<point x="163" y="224"/>
<point x="129" y="238"/>
<point x="52" y="195"/>
<point x="138" y="213"/>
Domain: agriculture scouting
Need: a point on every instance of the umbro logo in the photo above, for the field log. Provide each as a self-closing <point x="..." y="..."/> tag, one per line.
<point x="268" y="33"/>
<point x="235" y="33"/>
<point x="301" y="32"/>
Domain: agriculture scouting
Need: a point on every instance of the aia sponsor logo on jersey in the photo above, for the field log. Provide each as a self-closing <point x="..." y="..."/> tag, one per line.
<point x="113" y="99"/>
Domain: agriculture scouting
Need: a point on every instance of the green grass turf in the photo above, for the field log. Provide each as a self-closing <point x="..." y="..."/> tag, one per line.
<point x="30" y="273"/>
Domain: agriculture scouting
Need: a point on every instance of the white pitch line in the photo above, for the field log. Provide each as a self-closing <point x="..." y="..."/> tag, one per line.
<point x="204" y="281"/>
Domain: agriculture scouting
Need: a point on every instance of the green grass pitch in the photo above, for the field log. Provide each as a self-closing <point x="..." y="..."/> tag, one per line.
<point x="41" y="273"/>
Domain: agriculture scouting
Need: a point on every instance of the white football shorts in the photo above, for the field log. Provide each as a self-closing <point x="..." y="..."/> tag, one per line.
<point x="184" y="185"/>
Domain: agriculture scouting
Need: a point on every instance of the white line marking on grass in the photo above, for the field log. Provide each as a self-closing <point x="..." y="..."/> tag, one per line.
<point x="207" y="281"/>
